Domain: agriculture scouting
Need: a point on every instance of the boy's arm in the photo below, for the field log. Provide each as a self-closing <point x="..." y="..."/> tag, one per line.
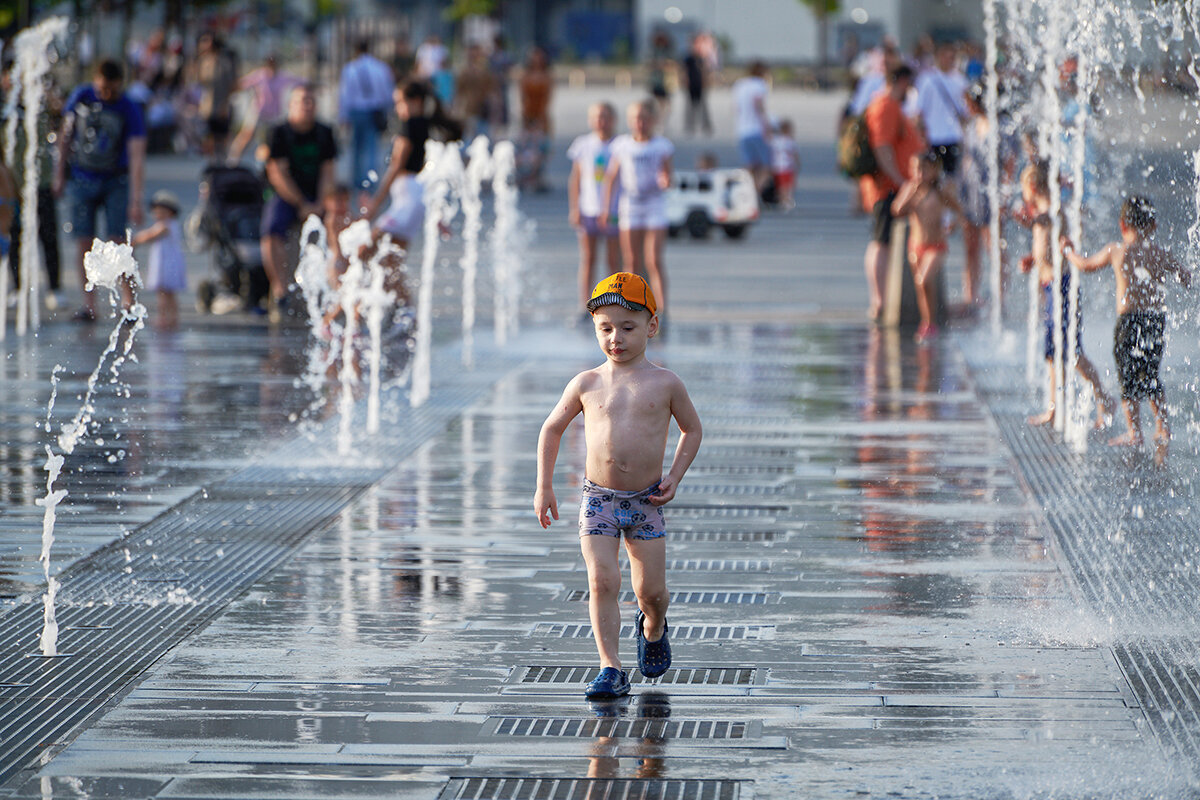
<point x="155" y="231"/>
<point x="1181" y="272"/>
<point x="573" y="195"/>
<point x="569" y="406"/>
<point x="1091" y="263"/>
<point x="904" y="199"/>
<point x="610" y="180"/>
<point x="690" y="434"/>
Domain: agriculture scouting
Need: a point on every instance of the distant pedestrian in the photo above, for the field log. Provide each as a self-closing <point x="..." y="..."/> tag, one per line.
<point x="300" y="170"/>
<point x="431" y="56"/>
<point x="696" y="78"/>
<point x="753" y="125"/>
<point x="269" y="86"/>
<point x="894" y="141"/>
<point x="216" y="74"/>
<point x="641" y="165"/>
<point x="785" y="164"/>
<point x="421" y="118"/>
<point x="101" y="165"/>
<point x="364" y="104"/>
<point x="590" y="155"/>
<point x="475" y="93"/>
<point x="1142" y="268"/>
<point x="941" y="97"/>
<point x="659" y="71"/>
<point x="536" y="89"/>
<point x="166" y="266"/>
<point x="627" y="405"/>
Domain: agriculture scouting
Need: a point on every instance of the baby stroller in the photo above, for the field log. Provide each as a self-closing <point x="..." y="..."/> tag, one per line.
<point x="227" y="221"/>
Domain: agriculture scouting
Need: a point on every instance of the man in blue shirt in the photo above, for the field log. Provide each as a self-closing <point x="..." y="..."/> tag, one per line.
<point x="364" y="103"/>
<point x="101" y="164"/>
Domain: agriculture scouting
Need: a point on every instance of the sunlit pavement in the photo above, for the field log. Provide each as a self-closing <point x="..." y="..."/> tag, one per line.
<point x="884" y="584"/>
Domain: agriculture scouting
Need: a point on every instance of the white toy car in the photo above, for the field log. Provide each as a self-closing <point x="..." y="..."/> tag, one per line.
<point x="697" y="201"/>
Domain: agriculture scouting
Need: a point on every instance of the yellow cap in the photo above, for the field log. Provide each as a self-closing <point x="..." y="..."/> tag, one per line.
<point x="623" y="289"/>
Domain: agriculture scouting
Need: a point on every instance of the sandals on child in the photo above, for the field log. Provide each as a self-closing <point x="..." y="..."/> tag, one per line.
<point x="654" y="658"/>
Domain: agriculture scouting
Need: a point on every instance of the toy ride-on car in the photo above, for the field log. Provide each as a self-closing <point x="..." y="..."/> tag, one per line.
<point x="697" y="201"/>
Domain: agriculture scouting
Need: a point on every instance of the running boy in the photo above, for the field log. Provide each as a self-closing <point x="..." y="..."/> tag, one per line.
<point x="589" y="156"/>
<point x="1035" y="190"/>
<point x="1141" y="267"/>
<point x="926" y="202"/>
<point x="641" y="162"/>
<point x="627" y="405"/>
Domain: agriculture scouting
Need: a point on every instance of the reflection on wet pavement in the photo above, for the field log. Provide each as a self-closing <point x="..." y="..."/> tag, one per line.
<point x="861" y="591"/>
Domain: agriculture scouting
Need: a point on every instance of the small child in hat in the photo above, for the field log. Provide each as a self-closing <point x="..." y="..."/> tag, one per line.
<point x="627" y="405"/>
<point x="166" y="268"/>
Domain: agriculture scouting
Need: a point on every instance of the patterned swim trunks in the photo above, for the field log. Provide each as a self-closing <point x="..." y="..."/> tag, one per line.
<point x="608" y="512"/>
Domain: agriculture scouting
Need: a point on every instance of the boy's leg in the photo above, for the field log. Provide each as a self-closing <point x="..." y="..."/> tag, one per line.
<point x="1047" y="416"/>
<point x="923" y="276"/>
<point x="972" y="243"/>
<point x="612" y="249"/>
<point x="633" y="246"/>
<point x="656" y="271"/>
<point x="587" y="261"/>
<point x="1087" y="370"/>
<point x="604" y="585"/>
<point x="648" y="572"/>
<point x="1133" y="423"/>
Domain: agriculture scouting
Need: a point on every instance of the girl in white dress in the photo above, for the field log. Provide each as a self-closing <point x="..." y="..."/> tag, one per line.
<point x="166" y="267"/>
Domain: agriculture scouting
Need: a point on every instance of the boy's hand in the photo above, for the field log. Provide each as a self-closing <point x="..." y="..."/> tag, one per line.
<point x="543" y="501"/>
<point x="665" y="493"/>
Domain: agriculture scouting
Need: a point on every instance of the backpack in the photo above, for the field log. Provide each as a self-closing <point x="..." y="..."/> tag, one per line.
<point x="99" y="141"/>
<point x="855" y="158"/>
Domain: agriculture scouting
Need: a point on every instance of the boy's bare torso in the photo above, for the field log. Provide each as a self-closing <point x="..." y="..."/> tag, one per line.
<point x="1040" y="230"/>
<point x="1141" y="269"/>
<point x="626" y="415"/>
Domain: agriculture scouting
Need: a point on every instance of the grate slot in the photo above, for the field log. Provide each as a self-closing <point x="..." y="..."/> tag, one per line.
<point x="530" y="788"/>
<point x="555" y="630"/>
<point x="676" y="676"/>
<point x="707" y="598"/>
<point x="616" y="728"/>
<point x="726" y="536"/>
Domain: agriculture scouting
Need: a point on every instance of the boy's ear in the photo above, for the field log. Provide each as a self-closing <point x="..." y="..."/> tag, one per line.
<point x="652" y="328"/>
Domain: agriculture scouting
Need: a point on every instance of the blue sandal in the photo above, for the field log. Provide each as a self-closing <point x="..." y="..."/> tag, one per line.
<point x="654" y="658"/>
<point x="611" y="682"/>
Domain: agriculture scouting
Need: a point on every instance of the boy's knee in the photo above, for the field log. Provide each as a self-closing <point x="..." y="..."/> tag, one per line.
<point x="655" y="597"/>
<point x="604" y="582"/>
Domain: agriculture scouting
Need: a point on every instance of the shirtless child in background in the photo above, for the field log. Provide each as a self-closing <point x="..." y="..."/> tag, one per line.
<point x="1142" y="268"/>
<point x="1035" y="190"/>
<point x="627" y="405"/>
<point x="926" y="202"/>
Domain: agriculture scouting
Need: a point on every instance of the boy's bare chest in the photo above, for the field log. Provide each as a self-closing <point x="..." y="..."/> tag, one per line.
<point x="629" y="401"/>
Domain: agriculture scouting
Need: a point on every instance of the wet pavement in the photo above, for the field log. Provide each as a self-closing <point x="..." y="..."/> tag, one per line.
<point x="884" y="584"/>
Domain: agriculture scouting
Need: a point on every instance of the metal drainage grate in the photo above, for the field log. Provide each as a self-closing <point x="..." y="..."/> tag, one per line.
<point x="719" y="565"/>
<point x="676" y="676"/>
<point x="556" y="630"/>
<point x="725" y="536"/>
<point x="738" y="598"/>
<point x="723" y="512"/>
<point x="483" y="788"/>
<point x="616" y="728"/>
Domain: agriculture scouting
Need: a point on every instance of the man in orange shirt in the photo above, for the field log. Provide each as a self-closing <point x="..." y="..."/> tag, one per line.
<point x="894" y="140"/>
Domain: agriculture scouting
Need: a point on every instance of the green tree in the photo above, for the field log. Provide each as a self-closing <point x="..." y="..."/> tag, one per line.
<point x="822" y="10"/>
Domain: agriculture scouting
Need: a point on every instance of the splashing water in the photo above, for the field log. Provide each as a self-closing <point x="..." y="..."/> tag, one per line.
<point x="441" y="177"/>
<point x="33" y="50"/>
<point x="479" y="169"/>
<point x="505" y="260"/>
<point x="107" y="264"/>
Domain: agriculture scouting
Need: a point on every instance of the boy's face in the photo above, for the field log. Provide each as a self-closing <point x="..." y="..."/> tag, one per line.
<point x="601" y="120"/>
<point x="623" y="334"/>
<point x="641" y="121"/>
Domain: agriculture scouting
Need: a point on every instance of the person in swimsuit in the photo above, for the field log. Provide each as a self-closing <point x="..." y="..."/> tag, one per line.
<point x="926" y="201"/>
<point x="1142" y="268"/>
<point x="627" y="405"/>
<point x="1035" y="191"/>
